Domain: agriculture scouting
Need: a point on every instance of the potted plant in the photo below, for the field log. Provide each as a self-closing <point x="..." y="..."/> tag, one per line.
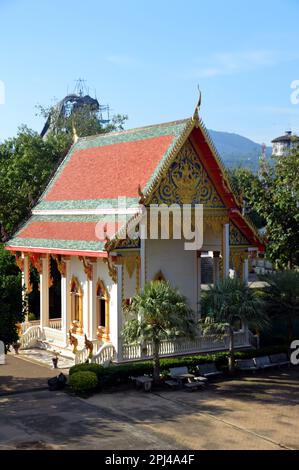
<point x="16" y="346"/>
<point x="55" y="359"/>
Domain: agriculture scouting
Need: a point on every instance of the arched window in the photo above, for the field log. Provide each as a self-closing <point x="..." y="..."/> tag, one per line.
<point x="76" y="305"/>
<point x="102" y="306"/>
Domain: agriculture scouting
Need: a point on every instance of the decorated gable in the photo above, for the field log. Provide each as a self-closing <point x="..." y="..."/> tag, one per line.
<point x="236" y="238"/>
<point x="186" y="182"/>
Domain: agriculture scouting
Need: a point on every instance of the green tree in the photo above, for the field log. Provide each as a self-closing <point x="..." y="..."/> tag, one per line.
<point x="158" y="313"/>
<point x="227" y="304"/>
<point x="26" y="163"/>
<point x="281" y="293"/>
<point x="275" y="197"/>
<point x="243" y="181"/>
<point x="11" y="307"/>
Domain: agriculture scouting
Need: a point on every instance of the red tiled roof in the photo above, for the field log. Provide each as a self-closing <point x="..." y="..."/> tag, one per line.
<point x="88" y="231"/>
<point x="109" y="171"/>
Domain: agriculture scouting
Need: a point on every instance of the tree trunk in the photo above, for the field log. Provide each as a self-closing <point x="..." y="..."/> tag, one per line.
<point x="231" y="353"/>
<point x="156" y="361"/>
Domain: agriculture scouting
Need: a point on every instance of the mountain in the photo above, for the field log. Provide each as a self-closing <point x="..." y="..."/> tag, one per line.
<point x="236" y="150"/>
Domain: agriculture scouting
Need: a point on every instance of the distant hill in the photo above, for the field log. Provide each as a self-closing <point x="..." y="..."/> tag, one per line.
<point x="236" y="150"/>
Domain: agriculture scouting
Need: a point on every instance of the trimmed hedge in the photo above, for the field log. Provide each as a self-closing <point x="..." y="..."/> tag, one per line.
<point x="83" y="381"/>
<point x="116" y="374"/>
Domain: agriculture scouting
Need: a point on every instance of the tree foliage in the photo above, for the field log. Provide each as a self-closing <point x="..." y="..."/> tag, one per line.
<point x="26" y="163"/>
<point x="227" y="303"/>
<point x="281" y="293"/>
<point x="274" y="197"/>
<point x="84" y="120"/>
<point x="11" y="307"/>
<point x="158" y="313"/>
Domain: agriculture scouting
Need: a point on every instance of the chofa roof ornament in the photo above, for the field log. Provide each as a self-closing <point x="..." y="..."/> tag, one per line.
<point x="197" y="107"/>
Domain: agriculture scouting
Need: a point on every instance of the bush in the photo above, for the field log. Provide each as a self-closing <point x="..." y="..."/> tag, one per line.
<point x="117" y="374"/>
<point x="83" y="381"/>
<point x="86" y="368"/>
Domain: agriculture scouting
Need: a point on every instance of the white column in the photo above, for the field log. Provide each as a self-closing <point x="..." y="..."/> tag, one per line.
<point x="44" y="292"/>
<point x="225" y="248"/>
<point x="216" y="271"/>
<point x="92" y="303"/>
<point x="245" y="270"/>
<point x="118" y="323"/>
<point x="142" y="256"/>
<point x="65" y="301"/>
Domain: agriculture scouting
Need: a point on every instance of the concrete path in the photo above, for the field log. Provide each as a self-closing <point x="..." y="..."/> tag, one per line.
<point x="257" y="412"/>
<point x="19" y="374"/>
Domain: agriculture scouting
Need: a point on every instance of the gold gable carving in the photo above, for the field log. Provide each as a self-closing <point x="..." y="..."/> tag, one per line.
<point x="236" y="237"/>
<point x="186" y="182"/>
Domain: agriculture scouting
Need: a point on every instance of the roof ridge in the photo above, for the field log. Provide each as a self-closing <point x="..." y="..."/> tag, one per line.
<point x="133" y="129"/>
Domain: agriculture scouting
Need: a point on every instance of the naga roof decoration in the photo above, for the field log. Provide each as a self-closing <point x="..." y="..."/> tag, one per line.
<point x="170" y="162"/>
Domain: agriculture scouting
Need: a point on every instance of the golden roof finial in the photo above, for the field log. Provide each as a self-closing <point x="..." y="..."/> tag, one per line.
<point x="197" y="107"/>
<point x="75" y="135"/>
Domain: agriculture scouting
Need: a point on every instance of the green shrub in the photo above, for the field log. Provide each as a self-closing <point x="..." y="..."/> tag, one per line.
<point x="117" y="374"/>
<point x="83" y="381"/>
<point x="85" y="367"/>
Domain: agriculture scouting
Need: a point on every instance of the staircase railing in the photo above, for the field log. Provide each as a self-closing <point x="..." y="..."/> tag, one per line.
<point x="83" y="354"/>
<point x="106" y="353"/>
<point x="31" y="337"/>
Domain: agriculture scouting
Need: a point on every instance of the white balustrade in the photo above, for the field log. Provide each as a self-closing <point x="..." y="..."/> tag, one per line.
<point x="53" y="336"/>
<point x="106" y="353"/>
<point x="30" y="338"/>
<point x="82" y="355"/>
<point x="55" y="323"/>
<point x="172" y="347"/>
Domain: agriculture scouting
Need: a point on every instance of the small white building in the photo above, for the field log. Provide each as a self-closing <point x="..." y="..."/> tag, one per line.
<point x="77" y="224"/>
<point x="284" y="144"/>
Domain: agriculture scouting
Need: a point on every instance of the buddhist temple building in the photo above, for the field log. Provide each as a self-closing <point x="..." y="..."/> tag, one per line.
<point x="76" y="231"/>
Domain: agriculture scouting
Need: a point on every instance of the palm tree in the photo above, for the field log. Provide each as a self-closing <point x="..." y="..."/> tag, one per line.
<point x="281" y="293"/>
<point x="227" y="303"/>
<point x="158" y="313"/>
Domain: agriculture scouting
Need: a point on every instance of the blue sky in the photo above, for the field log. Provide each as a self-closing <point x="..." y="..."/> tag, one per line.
<point x="145" y="58"/>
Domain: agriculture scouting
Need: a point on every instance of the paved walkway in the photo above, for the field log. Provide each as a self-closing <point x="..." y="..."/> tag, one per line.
<point x="20" y="374"/>
<point x="256" y="412"/>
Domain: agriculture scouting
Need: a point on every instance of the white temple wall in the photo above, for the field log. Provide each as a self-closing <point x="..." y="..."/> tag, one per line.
<point x="177" y="265"/>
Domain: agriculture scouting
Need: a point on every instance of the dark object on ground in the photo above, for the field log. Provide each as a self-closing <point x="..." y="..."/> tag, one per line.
<point x="55" y="362"/>
<point x="57" y="383"/>
<point x="208" y="370"/>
